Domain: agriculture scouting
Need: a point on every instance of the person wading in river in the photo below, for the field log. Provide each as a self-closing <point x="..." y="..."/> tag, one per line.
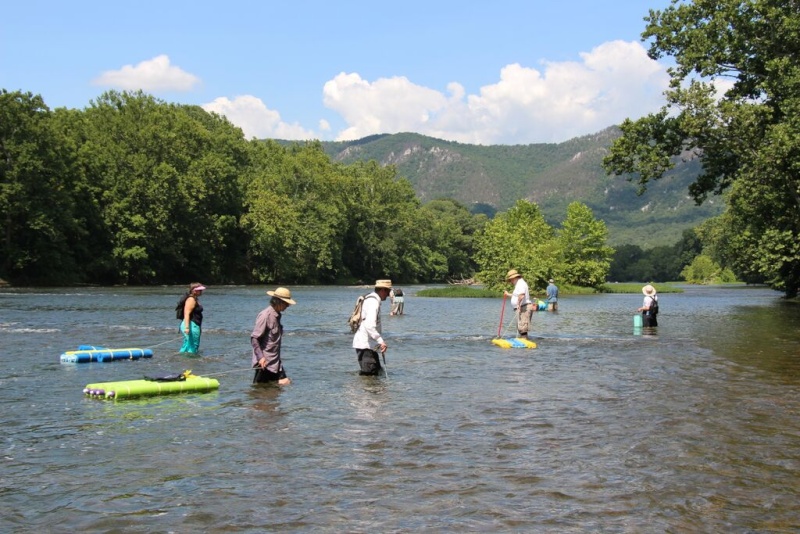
<point x="190" y="312"/>
<point x="266" y="339"/>
<point x="368" y="336"/>
<point x="649" y="307"/>
<point x="520" y="301"/>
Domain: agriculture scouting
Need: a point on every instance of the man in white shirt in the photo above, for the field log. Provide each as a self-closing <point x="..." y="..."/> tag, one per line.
<point x="368" y="336"/>
<point x="520" y="301"/>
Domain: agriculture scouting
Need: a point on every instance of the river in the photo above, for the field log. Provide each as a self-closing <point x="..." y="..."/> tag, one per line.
<point x="693" y="429"/>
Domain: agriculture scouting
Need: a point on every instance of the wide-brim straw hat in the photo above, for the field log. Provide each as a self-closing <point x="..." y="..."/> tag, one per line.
<point x="284" y="294"/>
<point x="648" y="290"/>
<point x="386" y="284"/>
<point x="510" y="275"/>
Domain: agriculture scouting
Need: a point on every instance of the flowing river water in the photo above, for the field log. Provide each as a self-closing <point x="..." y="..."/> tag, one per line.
<point x="693" y="429"/>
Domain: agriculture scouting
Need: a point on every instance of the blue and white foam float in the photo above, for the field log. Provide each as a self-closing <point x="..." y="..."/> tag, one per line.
<point x="92" y="353"/>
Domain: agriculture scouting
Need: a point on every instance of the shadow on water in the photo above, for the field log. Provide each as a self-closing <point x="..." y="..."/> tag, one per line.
<point x="760" y="338"/>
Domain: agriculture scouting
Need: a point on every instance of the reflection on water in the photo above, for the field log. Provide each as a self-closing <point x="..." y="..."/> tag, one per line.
<point x="690" y="427"/>
<point x="365" y="396"/>
<point x="264" y="399"/>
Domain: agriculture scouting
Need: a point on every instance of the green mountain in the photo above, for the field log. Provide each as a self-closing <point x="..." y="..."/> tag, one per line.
<point x="493" y="178"/>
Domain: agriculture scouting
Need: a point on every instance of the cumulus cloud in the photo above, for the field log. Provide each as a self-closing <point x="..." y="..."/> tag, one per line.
<point x="153" y="75"/>
<point x="256" y="120"/>
<point x="388" y="105"/>
<point x="553" y="103"/>
<point x="614" y="81"/>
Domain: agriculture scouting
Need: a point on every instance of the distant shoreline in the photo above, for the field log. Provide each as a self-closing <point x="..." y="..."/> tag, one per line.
<point x="460" y="291"/>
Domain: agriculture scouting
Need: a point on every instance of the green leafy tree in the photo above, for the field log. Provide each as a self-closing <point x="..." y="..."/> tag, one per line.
<point x="310" y="219"/>
<point x="659" y="264"/>
<point x="517" y="239"/>
<point x="665" y="262"/>
<point x="218" y="250"/>
<point x="622" y="260"/>
<point x="92" y="248"/>
<point x="166" y="181"/>
<point x="689" y="246"/>
<point x="452" y="235"/>
<point x="38" y="215"/>
<point x="704" y="270"/>
<point x="715" y="234"/>
<point x="763" y="233"/>
<point x="417" y="243"/>
<point x="745" y="133"/>
<point x="314" y="187"/>
<point x="268" y="211"/>
<point x="374" y="242"/>
<point x="293" y="214"/>
<point x="585" y="256"/>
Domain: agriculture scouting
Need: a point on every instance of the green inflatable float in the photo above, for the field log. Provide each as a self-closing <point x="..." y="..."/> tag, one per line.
<point x="185" y="382"/>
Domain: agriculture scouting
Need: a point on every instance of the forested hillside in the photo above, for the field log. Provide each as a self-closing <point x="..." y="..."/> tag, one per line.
<point x="551" y="175"/>
<point x="134" y="190"/>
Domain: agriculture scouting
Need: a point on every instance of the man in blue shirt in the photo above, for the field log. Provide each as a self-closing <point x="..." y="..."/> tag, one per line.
<point x="552" y="296"/>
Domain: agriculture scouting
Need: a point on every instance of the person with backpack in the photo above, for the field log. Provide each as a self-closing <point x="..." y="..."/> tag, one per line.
<point x="368" y="335"/>
<point x="190" y="312"/>
<point x="649" y="307"/>
<point x="266" y="339"/>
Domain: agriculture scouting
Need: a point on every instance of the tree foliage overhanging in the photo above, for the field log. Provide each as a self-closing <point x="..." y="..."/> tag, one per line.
<point x="133" y="190"/>
<point x="734" y="102"/>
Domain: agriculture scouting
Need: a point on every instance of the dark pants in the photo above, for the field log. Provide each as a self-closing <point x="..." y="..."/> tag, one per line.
<point x="649" y="320"/>
<point x="370" y="362"/>
<point x="263" y="376"/>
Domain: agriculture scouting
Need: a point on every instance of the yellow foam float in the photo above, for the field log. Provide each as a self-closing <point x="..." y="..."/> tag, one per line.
<point x="514" y="343"/>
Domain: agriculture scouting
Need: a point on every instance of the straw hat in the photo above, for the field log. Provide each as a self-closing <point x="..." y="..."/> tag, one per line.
<point x="386" y="284"/>
<point x="551" y="281"/>
<point x="510" y="275"/>
<point x="648" y="290"/>
<point x="282" y="293"/>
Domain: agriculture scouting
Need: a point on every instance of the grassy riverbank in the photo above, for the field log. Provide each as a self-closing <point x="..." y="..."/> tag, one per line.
<point x="480" y="292"/>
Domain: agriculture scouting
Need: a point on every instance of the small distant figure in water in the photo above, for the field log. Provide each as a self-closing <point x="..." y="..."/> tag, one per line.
<point x="398" y="301"/>
<point x="190" y="312"/>
<point x="552" y="296"/>
<point x="649" y="307"/>
<point x="266" y="339"/>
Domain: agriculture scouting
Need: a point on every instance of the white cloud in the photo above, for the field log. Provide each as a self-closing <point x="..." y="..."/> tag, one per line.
<point x="155" y="75"/>
<point x="387" y="106"/>
<point x="256" y="120"/>
<point x="614" y="81"/>
<point x="562" y="100"/>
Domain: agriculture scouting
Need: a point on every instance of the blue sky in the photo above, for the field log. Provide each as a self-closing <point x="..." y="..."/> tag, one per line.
<point x="504" y="72"/>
